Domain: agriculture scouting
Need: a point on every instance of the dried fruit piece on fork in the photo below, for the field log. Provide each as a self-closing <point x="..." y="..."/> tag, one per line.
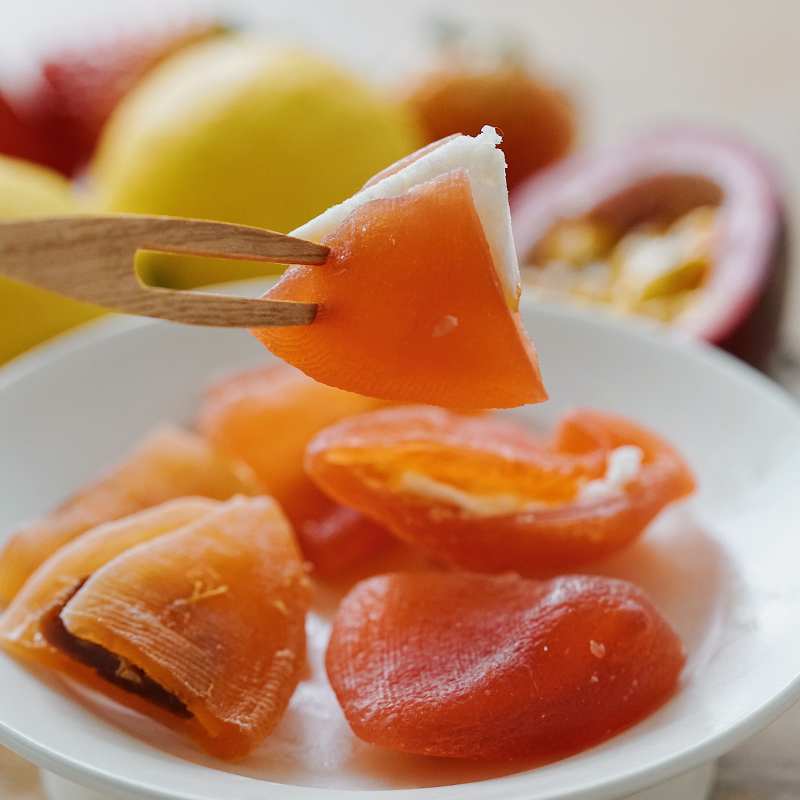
<point x="418" y="300"/>
<point x="476" y="666"/>
<point x="266" y="417"/>
<point x="169" y="463"/>
<point x="192" y="613"/>
<point x="485" y="494"/>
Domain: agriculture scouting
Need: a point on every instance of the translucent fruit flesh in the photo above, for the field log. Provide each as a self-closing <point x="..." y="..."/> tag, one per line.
<point x="486" y="495"/>
<point x="20" y="624"/>
<point x="170" y="463"/>
<point x="474" y="666"/>
<point x="411" y="307"/>
<point x="266" y="417"/>
<point x="209" y="615"/>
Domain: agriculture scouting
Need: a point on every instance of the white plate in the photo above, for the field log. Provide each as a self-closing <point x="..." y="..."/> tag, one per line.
<point x="723" y="567"/>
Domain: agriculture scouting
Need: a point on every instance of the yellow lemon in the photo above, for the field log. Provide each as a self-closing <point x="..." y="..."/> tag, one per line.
<point x="242" y="130"/>
<point x="27" y="315"/>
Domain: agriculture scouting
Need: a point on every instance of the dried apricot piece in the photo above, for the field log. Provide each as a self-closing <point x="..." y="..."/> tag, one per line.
<point x="201" y="628"/>
<point x="418" y="300"/>
<point x="169" y="463"/>
<point x="340" y="539"/>
<point x="476" y="666"/>
<point x="485" y="494"/>
<point x="20" y="631"/>
<point x="266" y="417"/>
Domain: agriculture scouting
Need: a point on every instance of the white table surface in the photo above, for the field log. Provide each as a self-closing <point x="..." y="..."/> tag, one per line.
<point x="630" y="65"/>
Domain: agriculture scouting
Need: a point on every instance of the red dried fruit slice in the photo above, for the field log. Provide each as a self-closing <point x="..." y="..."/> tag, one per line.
<point x="474" y="666"/>
<point x="340" y="539"/>
<point x="170" y="463"/>
<point x="486" y="495"/>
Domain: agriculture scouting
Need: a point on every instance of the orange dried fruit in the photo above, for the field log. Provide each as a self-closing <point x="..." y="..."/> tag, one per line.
<point x="169" y="463"/>
<point x="486" y="495"/>
<point x="475" y="666"/>
<point x="418" y="300"/>
<point x="266" y="417"/>
<point x="20" y="631"/>
<point x="200" y="627"/>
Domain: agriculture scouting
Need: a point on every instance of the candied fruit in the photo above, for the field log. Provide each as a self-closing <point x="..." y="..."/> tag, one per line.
<point x="418" y="300"/>
<point x="498" y="667"/>
<point x="169" y="463"/>
<point x="266" y="417"/>
<point x="200" y="627"/>
<point x="484" y="494"/>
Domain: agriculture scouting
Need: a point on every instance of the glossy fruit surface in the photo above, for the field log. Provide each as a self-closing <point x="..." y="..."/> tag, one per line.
<point x="411" y="306"/>
<point x="242" y="130"/>
<point x="653" y="181"/>
<point x="29" y="316"/>
<point x="339" y="539"/>
<point x="537" y="122"/>
<point x="200" y="627"/>
<point x="486" y="495"/>
<point x="266" y="417"/>
<point x="472" y="666"/>
<point x="170" y="463"/>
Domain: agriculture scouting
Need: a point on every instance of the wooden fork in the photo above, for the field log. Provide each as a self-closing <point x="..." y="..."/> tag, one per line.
<point x="91" y="258"/>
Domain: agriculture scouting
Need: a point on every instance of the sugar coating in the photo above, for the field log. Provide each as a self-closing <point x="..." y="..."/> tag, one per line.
<point x="486" y="167"/>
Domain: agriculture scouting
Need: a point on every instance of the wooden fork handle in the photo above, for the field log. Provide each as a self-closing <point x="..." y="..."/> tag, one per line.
<point x="92" y="259"/>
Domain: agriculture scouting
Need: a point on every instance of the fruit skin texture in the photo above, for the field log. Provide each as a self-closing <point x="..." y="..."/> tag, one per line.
<point x="78" y="90"/>
<point x="411" y="307"/>
<point x="241" y="130"/>
<point x="265" y="417"/>
<point x="364" y="462"/>
<point x="537" y="122"/>
<point x="170" y="463"/>
<point x="473" y="666"/>
<point x="18" y="139"/>
<point x="739" y="308"/>
<point x="20" y="631"/>
<point x="212" y="611"/>
<point x="28" y="315"/>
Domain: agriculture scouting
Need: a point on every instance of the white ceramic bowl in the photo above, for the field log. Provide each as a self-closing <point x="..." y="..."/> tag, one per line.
<point x="723" y="567"/>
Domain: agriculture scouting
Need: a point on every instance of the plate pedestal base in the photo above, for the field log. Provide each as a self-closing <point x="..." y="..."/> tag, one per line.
<point x="693" y="785"/>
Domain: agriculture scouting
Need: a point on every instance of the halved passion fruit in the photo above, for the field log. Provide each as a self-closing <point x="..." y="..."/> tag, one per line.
<point x="683" y="226"/>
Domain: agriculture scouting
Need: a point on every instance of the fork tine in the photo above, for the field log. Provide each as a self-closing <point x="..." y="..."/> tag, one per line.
<point x="91" y="259"/>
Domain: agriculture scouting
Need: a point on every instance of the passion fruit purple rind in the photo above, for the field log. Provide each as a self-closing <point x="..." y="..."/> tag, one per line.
<point x="660" y="186"/>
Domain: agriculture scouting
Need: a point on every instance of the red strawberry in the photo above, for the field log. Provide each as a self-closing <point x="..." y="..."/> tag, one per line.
<point x="77" y="91"/>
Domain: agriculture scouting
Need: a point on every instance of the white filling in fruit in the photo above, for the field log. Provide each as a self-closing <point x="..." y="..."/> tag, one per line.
<point x="486" y="167"/>
<point x="622" y="465"/>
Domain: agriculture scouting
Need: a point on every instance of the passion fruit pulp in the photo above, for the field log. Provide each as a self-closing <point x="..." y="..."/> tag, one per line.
<point x="699" y="212"/>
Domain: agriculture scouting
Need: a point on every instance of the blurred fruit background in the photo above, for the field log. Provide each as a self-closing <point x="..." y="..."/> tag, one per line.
<point x="265" y="114"/>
